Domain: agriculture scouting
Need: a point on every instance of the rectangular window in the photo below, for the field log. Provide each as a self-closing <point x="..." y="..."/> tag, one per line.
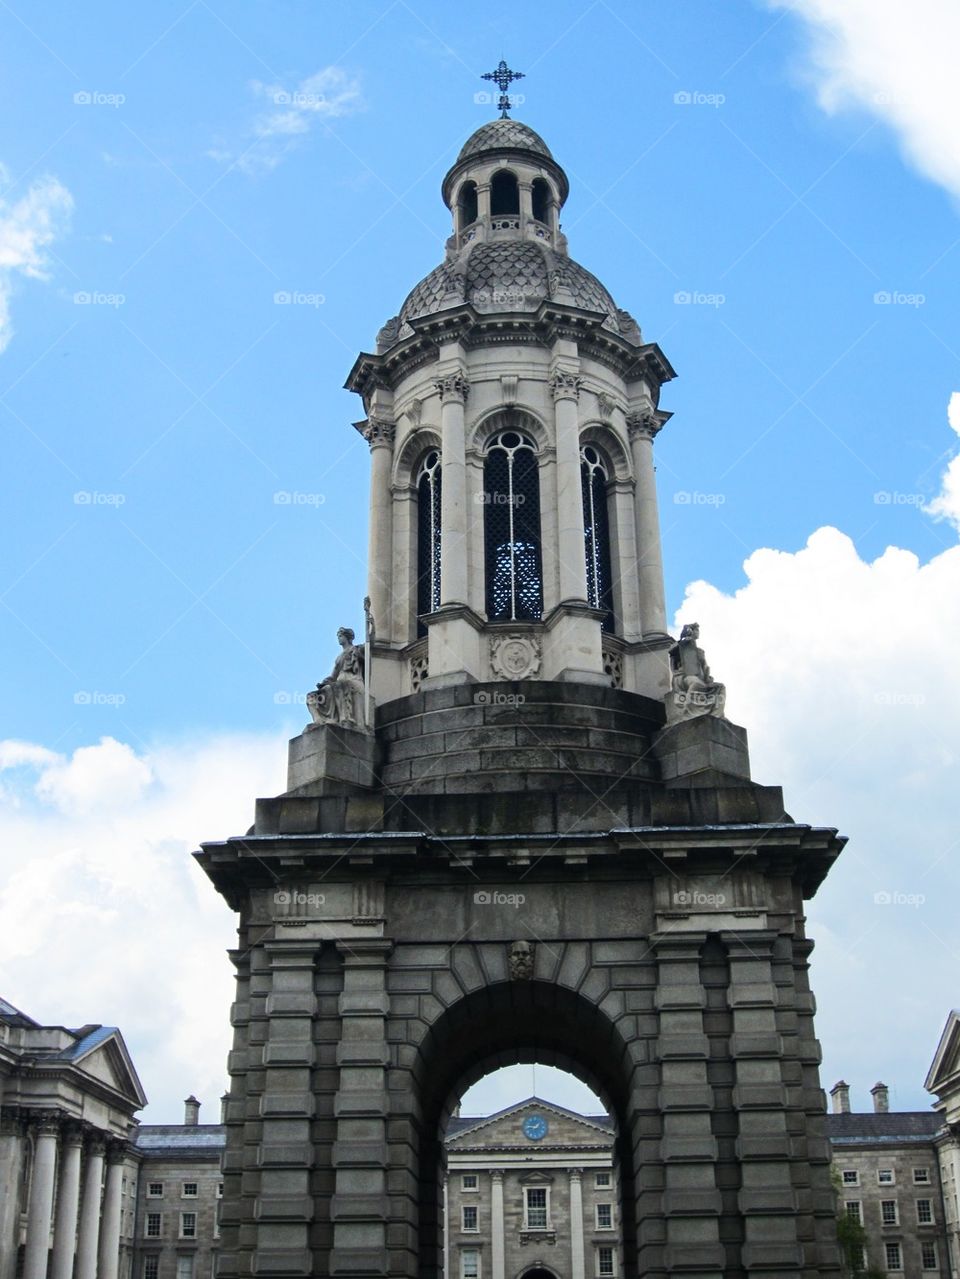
<point x="536" y="1208"/>
<point x="885" y="1176"/>
<point x="154" y="1189"/>
<point x="153" y="1225"/>
<point x="854" y="1211"/>
<point x="188" y="1225"/>
<point x="470" y="1181"/>
<point x="924" y="1212"/>
<point x="888" y="1212"/>
<point x="185" y="1266"/>
<point x="928" y="1256"/>
<point x="894" y="1260"/>
<point x="604" y="1216"/>
<point x="851" y="1177"/>
<point x="470" y="1221"/>
<point x="189" y="1190"/>
<point x="151" y="1267"/>
<point x="603" y="1180"/>
<point x="856" y="1257"/>
<point x="219" y="1189"/>
<point x="470" y="1263"/>
<point x="921" y="1176"/>
<point x="605" y="1262"/>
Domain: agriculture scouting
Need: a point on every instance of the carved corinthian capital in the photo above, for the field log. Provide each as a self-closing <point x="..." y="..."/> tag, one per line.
<point x="565" y="386"/>
<point x="378" y="432"/>
<point x="643" y="425"/>
<point x="453" y="387"/>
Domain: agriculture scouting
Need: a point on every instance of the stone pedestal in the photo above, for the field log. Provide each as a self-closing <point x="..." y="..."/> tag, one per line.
<point x="331" y="759"/>
<point x="705" y="751"/>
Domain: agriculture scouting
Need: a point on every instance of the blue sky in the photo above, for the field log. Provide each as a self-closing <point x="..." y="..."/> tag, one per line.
<point x="712" y="152"/>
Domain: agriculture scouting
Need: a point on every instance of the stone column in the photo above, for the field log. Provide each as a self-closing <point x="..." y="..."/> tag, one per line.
<point x="89" y="1236"/>
<point x="380" y="435"/>
<point x="11" y="1159"/>
<point x="642" y="428"/>
<point x="526" y="202"/>
<point x="691" y="1201"/>
<point x="68" y="1203"/>
<point x="446" y="1226"/>
<point x="483" y="201"/>
<point x="40" y="1212"/>
<point x="453" y="492"/>
<point x="565" y="388"/>
<point x="577" y="1268"/>
<point x="112" y="1204"/>
<point x="497" y="1238"/>
<point x="361" y="1209"/>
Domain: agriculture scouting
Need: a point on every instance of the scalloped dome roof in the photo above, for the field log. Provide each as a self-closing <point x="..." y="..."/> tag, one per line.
<point x="495" y="135"/>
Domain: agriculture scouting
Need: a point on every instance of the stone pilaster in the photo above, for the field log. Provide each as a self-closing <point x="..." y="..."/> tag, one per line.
<point x="453" y="390"/>
<point x="565" y="389"/>
<point x="284" y="1205"/>
<point x="642" y="428"/>
<point x="68" y="1205"/>
<point x="577" y="1260"/>
<point x="380" y="436"/>
<point x="691" y="1202"/>
<point x="88" y="1240"/>
<point x="46" y="1132"/>
<point x="360" y="1210"/>
<point x="11" y="1161"/>
<point x="110" y="1222"/>
<point x="497" y="1226"/>
<point x="767" y="1200"/>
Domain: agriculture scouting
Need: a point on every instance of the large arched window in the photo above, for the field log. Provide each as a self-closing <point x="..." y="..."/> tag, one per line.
<point x="428" y="538"/>
<point x="540" y="197"/>
<point x="596" y="533"/>
<point x="504" y="193"/>
<point x="467" y="204"/>
<point x="512" y="529"/>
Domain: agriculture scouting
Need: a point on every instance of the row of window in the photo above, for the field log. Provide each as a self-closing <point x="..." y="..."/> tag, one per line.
<point x="885" y="1177"/>
<point x="153" y="1226"/>
<point x="511" y="496"/>
<point x="605" y="1263"/>
<point x="471" y="1181"/>
<point x="186" y="1266"/>
<point x="890" y="1211"/>
<point x="188" y="1189"/>
<point x="893" y="1256"/>
<point x="504" y="198"/>
<point x="535" y="1213"/>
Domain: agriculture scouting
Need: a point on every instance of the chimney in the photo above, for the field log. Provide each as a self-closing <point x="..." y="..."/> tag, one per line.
<point x="191" y="1111"/>
<point x="881" y="1098"/>
<point x="224" y="1103"/>
<point x="840" y="1095"/>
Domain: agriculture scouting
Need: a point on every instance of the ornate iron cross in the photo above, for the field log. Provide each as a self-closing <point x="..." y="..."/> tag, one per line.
<point x="503" y="77"/>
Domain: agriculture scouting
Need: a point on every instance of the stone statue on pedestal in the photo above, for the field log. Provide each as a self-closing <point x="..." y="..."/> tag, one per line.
<point x="694" y="690"/>
<point x="339" y="698"/>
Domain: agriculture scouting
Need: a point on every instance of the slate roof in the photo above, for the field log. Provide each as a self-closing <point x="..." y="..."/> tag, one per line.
<point x="9" y="1013"/>
<point x="495" y="135"/>
<point x="873" y="1129"/>
<point x="158" y="1140"/>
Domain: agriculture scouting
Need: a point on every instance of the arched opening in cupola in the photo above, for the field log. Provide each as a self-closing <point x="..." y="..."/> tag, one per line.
<point x="467" y="205"/>
<point x="540" y="195"/>
<point x="514" y="572"/>
<point x="429" y="531"/>
<point x="504" y="193"/>
<point x="594" y="478"/>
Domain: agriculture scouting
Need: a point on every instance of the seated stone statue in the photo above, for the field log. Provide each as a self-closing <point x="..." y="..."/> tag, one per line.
<point x="694" y="691"/>
<point x="339" y="698"/>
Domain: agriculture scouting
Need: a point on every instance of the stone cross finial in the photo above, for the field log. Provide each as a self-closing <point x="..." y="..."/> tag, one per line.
<point x="503" y="77"/>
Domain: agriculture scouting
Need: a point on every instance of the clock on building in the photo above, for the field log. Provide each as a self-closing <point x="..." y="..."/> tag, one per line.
<point x="535" y="1127"/>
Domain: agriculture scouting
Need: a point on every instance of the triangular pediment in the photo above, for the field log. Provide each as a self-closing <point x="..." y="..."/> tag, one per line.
<point x="100" y="1053"/>
<point x="943" y="1077"/>
<point x="505" y="1127"/>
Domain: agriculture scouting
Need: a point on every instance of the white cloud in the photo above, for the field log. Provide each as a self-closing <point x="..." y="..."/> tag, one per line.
<point x="844" y="672"/>
<point x="28" y="227"/>
<point x="898" y="64"/>
<point x="947" y="504"/>
<point x="105" y="917"/>
<point x="328" y="94"/>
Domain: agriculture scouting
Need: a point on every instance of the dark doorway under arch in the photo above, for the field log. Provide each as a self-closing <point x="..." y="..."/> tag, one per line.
<point x="538" y="1272"/>
<point x="502" y="1024"/>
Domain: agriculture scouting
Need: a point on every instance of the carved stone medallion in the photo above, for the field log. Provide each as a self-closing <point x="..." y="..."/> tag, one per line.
<point x="515" y="656"/>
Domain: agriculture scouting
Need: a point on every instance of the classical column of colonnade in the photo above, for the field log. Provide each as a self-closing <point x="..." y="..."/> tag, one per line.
<point x="70" y="1199"/>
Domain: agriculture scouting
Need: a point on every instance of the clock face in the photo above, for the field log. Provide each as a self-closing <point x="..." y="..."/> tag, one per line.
<point x="535" y="1127"/>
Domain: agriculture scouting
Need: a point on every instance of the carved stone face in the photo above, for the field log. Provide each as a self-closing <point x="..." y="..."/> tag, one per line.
<point x="345" y="636"/>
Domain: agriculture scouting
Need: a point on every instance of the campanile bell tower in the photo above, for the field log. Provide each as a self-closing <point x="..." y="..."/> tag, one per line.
<point x="520" y="827"/>
<point x="511" y="411"/>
